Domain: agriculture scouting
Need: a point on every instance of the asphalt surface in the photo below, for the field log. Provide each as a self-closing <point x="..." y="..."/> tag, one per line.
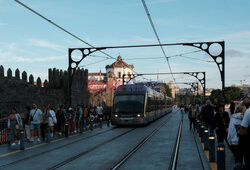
<point x="103" y="148"/>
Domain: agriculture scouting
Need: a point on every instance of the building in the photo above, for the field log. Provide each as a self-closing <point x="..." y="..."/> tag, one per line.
<point x="113" y="76"/>
<point x="173" y="88"/>
<point x="120" y="68"/>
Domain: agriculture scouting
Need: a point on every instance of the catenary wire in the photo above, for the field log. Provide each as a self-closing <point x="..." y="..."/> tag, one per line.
<point x="152" y="24"/>
<point x="61" y="28"/>
<point x="153" y="58"/>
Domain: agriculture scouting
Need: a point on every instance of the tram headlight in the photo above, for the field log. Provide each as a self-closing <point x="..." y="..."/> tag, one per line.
<point x="138" y="115"/>
<point x="116" y="115"/>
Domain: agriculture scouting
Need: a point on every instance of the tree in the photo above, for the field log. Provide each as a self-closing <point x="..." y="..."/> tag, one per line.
<point x="167" y="90"/>
<point x="231" y="93"/>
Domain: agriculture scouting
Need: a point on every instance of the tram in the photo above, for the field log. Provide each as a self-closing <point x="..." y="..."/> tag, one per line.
<point x="138" y="105"/>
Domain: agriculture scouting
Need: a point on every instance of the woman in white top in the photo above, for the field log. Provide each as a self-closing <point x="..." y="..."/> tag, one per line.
<point x="233" y="132"/>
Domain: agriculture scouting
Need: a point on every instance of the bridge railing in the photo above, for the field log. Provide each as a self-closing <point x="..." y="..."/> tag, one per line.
<point x="3" y="131"/>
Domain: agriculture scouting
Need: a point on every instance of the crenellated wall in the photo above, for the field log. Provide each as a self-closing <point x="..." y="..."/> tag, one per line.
<point x="16" y="91"/>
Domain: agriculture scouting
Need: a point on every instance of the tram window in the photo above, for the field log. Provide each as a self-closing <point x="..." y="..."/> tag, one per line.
<point x="129" y="103"/>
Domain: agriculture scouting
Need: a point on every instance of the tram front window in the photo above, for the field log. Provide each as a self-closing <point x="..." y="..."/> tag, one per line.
<point x="129" y="104"/>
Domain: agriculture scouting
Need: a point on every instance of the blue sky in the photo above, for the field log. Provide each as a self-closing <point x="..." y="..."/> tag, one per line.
<point x="30" y="43"/>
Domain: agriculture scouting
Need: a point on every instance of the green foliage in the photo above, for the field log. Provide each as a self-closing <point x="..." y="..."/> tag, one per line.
<point x="188" y="99"/>
<point x="231" y="93"/>
<point x="167" y="90"/>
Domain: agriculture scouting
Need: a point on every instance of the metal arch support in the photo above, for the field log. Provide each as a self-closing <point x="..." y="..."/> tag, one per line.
<point x="219" y="59"/>
<point x="73" y="65"/>
<point x="193" y="85"/>
<point x="201" y="80"/>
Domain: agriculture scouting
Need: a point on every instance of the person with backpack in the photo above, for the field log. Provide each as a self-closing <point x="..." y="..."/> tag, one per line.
<point x="15" y="124"/>
<point x="99" y="110"/>
<point x="221" y="123"/>
<point x="192" y="116"/>
<point x="35" y="120"/>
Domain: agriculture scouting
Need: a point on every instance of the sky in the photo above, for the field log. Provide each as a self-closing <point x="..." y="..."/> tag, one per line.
<point x="31" y="44"/>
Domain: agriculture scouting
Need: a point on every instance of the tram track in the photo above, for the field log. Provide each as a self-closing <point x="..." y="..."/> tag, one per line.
<point x="56" y="148"/>
<point x="198" y="150"/>
<point x="174" y="157"/>
<point x="139" y="145"/>
<point x="95" y="147"/>
<point x="87" y="151"/>
<point x="69" y="160"/>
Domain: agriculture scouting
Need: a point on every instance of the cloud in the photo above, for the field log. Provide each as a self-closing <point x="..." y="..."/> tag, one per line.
<point x="2" y="24"/>
<point x="10" y="55"/>
<point x="143" y="39"/>
<point x="233" y="53"/>
<point x="39" y="59"/>
<point x="45" y="44"/>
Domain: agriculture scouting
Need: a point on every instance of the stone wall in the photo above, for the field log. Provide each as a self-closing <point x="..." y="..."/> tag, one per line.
<point x="16" y="91"/>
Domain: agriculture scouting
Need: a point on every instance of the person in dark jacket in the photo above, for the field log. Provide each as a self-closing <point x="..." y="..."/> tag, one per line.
<point x="60" y="119"/>
<point x="26" y="122"/>
<point x="207" y="115"/>
<point x="221" y="122"/>
<point x="192" y="115"/>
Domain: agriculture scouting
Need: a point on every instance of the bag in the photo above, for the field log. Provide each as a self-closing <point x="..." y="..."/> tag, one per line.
<point x="32" y="117"/>
<point x="51" y="122"/>
<point x="54" y="119"/>
<point x="17" y="127"/>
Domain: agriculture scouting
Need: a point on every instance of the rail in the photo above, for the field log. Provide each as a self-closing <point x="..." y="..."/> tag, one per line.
<point x="174" y="158"/>
<point x="142" y="142"/>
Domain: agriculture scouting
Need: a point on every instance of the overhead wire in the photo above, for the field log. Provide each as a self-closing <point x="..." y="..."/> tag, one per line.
<point x="63" y="29"/>
<point x="158" y="39"/>
<point x="172" y="56"/>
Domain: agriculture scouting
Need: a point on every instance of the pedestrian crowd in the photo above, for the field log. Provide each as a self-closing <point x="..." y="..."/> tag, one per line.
<point x="43" y="124"/>
<point x="231" y="126"/>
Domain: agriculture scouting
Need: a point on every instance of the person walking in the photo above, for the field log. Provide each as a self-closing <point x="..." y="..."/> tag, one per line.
<point x="79" y="115"/>
<point x="244" y="139"/>
<point x="52" y="120"/>
<point x="207" y="115"/>
<point x="99" y="110"/>
<point x="35" y="120"/>
<point x="26" y="122"/>
<point x="85" y="116"/>
<point x="231" y="109"/>
<point x="14" y="125"/>
<point x="192" y="116"/>
<point x="234" y="131"/>
<point x="45" y="132"/>
<point x="60" y="119"/>
<point x="91" y="117"/>
<point x="221" y="122"/>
